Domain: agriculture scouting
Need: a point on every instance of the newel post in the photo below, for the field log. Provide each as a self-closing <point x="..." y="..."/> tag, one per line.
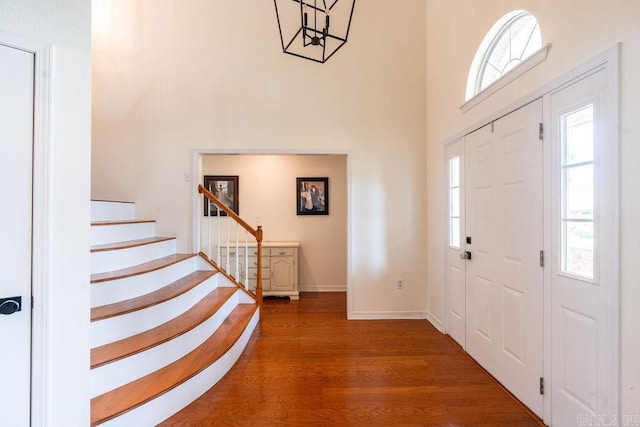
<point x="259" y="278"/>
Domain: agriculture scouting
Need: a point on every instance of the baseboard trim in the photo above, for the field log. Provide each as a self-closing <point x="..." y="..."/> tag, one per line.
<point x="388" y="315"/>
<point x="435" y="322"/>
<point x="330" y="288"/>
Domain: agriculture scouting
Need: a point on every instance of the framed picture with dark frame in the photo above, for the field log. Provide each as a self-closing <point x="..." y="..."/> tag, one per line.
<point x="224" y="188"/>
<point x="312" y="196"/>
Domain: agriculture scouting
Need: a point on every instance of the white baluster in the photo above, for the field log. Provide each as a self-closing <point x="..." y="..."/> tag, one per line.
<point x="237" y="254"/>
<point x="218" y="236"/>
<point x="246" y="259"/>
<point x="208" y="219"/>
<point x="228" y="244"/>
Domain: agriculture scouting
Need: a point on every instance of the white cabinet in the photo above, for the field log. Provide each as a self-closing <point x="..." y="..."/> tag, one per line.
<point x="284" y="269"/>
<point x="279" y="267"/>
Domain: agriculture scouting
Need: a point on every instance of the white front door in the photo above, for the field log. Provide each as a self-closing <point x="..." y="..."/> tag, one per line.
<point x="584" y="242"/>
<point x="16" y="143"/>
<point x="504" y="222"/>
<point x="455" y="322"/>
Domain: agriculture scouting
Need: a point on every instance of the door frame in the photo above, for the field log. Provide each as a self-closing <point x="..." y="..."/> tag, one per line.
<point x="196" y="172"/>
<point x="41" y="207"/>
<point x="609" y="62"/>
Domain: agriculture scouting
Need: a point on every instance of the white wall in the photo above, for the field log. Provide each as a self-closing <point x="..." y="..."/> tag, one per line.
<point x="267" y="196"/>
<point x="578" y="32"/>
<point x="66" y="25"/>
<point x="209" y="74"/>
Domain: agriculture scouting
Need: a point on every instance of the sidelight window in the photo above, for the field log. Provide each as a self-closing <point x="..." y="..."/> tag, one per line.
<point x="577" y="216"/>
<point x="454" y="202"/>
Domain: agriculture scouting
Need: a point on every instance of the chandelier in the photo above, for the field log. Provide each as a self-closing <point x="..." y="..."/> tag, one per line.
<point x="313" y="29"/>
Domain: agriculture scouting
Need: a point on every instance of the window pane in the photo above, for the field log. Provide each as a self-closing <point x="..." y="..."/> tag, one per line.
<point x="521" y="32"/>
<point x="454" y="172"/>
<point x="579" y="192"/>
<point x="454" y="202"/>
<point x="578" y="251"/>
<point x="517" y="39"/>
<point x="579" y="136"/>
<point x="454" y="232"/>
<point x="489" y="76"/>
<point x="534" y="44"/>
<point x="501" y="53"/>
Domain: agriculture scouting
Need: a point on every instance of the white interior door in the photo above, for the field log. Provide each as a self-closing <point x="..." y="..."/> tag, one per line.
<point x="16" y="127"/>
<point x="455" y="321"/>
<point x="584" y="241"/>
<point x="504" y="278"/>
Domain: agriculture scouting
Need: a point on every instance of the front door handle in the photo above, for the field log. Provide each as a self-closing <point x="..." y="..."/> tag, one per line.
<point x="10" y="305"/>
<point x="465" y="255"/>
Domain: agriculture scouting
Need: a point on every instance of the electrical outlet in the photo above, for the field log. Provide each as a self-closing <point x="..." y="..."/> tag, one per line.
<point x="400" y="284"/>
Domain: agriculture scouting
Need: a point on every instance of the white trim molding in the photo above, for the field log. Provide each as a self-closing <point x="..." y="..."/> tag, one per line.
<point x="437" y="323"/>
<point x="41" y="249"/>
<point x="389" y="315"/>
<point x="539" y="56"/>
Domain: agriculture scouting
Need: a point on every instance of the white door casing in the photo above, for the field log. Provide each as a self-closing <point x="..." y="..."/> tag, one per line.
<point x="504" y="278"/>
<point x="562" y="404"/>
<point x="455" y="303"/>
<point x="16" y="122"/>
<point x="583" y="336"/>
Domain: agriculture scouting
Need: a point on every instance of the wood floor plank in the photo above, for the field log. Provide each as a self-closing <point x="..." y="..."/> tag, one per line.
<point x="310" y="366"/>
<point x="159" y="296"/>
<point x="129" y="396"/>
<point x="177" y="326"/>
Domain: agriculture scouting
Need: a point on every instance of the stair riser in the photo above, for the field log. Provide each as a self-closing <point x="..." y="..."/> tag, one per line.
<point x="113" y="291"/>
<point x="118" y="259"/>
<point x="169" y="403"/>
<point x="112" y="211"/>
<point x="108" y="377"/>
<point x="105" y="234"/>
<point x="119" y="327"/>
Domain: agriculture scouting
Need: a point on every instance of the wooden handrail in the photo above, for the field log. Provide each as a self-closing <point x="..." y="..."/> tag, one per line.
<point x="255" y="232"/>
<point x="209" y="195"/>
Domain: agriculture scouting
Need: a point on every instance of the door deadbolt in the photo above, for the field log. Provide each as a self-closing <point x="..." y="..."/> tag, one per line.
<point x="10" y="305"/>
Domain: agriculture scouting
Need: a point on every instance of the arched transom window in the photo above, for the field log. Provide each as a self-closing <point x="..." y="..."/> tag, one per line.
<point x="512" y="39"/>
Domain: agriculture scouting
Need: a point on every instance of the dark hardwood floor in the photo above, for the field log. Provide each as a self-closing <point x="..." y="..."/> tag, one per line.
<point x="306" y="365"/>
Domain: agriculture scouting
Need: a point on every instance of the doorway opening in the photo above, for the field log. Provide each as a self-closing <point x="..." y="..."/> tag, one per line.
<point x="268" y="195"/>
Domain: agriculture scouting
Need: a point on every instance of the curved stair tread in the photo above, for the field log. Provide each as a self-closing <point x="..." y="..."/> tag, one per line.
<point x="121" y="222"/>
<point x="143" y="268"/>
<point x="177" y="326"/>
<point x="129" y="396"/>
<point x="159" y="296"/>
<point x="129" y="244"/>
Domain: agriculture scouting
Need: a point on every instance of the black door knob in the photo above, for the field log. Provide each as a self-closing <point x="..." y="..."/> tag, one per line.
<point x="10" y="305"/>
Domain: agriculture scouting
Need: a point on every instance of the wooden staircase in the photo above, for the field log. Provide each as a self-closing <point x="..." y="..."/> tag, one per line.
<point x="165" y="327"/>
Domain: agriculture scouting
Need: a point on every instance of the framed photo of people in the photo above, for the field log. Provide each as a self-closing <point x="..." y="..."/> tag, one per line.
<point x="312" y="195"/>
<point x="225" y="188"/>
